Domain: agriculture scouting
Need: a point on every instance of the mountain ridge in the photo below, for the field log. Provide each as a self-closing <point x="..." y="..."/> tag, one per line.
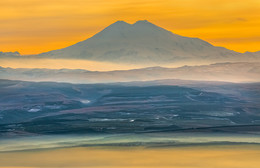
<point x="144" y="42"/>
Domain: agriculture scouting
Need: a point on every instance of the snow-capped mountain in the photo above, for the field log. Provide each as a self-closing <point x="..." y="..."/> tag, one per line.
<point x="144" y="42"/>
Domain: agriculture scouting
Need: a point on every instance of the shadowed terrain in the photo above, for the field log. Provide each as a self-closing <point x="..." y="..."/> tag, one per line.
<point x="61" y="108"/>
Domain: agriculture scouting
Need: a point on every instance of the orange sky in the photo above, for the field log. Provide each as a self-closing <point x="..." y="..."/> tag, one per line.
<point x="35" y="26"/>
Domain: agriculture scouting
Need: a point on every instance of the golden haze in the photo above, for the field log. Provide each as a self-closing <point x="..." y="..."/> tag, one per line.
<point x="127" y="157"/>
<point x="35" y="26"/>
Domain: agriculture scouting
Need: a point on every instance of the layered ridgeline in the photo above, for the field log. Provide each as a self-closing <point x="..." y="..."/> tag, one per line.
<point x="144" y="42"/>
<point x="229" y="72"/>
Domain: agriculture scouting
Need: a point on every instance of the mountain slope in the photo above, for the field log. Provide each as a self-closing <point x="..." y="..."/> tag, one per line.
<point x="144" y="42"/>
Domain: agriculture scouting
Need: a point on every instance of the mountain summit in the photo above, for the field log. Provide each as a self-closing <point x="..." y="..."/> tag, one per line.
<point x="143" y="42"/>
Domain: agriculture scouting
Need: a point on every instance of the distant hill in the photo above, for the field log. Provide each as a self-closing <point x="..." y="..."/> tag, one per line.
<point x="146" y="43"/>
<point x="9" y="54"/>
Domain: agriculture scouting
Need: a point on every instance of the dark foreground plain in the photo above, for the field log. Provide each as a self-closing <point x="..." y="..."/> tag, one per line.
<point x="43" y="108"/>
<point x="166" y="123"/>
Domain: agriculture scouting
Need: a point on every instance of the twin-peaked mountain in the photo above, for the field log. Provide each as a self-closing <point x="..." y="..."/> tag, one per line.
<point x="144" y="42"/>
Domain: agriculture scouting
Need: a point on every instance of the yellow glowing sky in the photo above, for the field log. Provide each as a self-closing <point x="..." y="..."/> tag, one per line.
<point x="35" y="26"/>
<point x="179" y="157"/>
